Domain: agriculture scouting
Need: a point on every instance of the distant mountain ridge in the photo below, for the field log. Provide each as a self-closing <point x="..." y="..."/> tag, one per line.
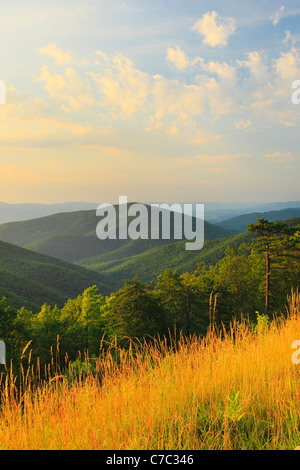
<point x="72" y="237"/>
<point x="27" y="211"/>
<point x="240" y="222"/>
<point x="215" y="212"/>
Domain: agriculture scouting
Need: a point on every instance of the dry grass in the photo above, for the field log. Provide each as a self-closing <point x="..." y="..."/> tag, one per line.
<point x="241" y="391"/>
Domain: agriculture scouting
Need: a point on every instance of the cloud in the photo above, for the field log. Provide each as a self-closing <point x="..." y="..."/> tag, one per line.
<point x="139" y="107"/>
<point x="216" y="31"/>
<point x="156" y="100"/>
<point x="242" y="124"/>
<point x="224" y="70"/>
<point x="44" y="133"/>
<point x="286" y="66"/>
<point x="289" y="37"/>
<point x="68" y="87"/>
<point x="61" y="58"/>
<point x="223" y="157"/>
<point x="178" y="58"/>
<point x="124" y="90"/>
<point x="276" y="18"/>
<point x="217" y="170"/>
<point x="258" y="70"/>
<point x="278" y="155"/>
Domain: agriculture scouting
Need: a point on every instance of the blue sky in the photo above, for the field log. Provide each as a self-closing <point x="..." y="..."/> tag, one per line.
<point x="157" y="100"/>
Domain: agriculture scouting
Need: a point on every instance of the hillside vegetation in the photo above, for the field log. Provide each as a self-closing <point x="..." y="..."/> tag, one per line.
<point x="149" y="264"/>
<point x="236" y="390"/>
<point x="72" y="237"/>
<point x="31" y="279"/>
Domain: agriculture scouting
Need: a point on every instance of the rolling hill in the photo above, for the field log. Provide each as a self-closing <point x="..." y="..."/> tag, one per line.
<point x="149" y="264"/>
<point x="27" y="211"/>
<point x="31" y="279"/>
<point x="215" y="212"/>
<point x="72" y="237"/>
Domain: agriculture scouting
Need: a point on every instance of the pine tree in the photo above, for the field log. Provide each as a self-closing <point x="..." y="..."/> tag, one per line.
<point x="278" y="241"/>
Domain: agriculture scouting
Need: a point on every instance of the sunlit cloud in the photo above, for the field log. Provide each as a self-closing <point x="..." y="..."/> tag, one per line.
<point x="189" y="97"/>
<point x="276" y="18"/>
<point x="215" y="29"/>
<point x="242" y="124"/>
<point x="178" y="58"/>
<point x="278" y="155"/>
<point x="61" y="58"/>
<point x="222" y="157"/>
<point x="68" y="87"/>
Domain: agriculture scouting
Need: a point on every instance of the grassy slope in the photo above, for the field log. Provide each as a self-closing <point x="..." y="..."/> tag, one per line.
<point x="30" y="279"/>
<point x="240" y="392"/>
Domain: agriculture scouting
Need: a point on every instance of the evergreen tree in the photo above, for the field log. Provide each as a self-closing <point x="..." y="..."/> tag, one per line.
<point x="279" y="242"/>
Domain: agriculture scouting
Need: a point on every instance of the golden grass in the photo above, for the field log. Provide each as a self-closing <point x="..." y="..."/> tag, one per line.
<point x="238" y="390"/>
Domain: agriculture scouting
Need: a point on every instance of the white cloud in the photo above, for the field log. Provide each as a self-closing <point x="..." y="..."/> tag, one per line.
<point x="162" y="102"/>
<point x="224" y="71"/>
<point x="215" y="30"/>
<point x="223" y="157"/>
<point x="242" y="124"/>
<point x="60" y="57"/>
<point x="289" y="37"/>
<point x="286" y="66"/>
<point x="258" y="70"/>
<point x="68" y="87"/>
<point x="278" y="155"/>
<point x="276" y="18"/>
<point x="178" y="57"/>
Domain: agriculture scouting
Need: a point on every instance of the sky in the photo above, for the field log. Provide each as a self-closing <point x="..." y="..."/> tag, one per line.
<point x="158" y="100"/>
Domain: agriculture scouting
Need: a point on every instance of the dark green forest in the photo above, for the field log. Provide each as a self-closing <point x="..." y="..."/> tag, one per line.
<point x="173" y="304"/>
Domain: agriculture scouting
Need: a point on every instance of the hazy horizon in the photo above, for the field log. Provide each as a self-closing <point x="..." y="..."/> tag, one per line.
<point x="232" y="203"/>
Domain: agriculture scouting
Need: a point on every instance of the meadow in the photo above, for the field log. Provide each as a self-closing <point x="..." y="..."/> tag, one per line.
<point x="233" y="389"/>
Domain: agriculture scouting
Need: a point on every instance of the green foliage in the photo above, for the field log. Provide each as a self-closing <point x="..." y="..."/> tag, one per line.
<point x="279" y="242"/>
<point x="262" y="323"/>
<point x="30" y="279"/>
<point x="234" y="411"/>
<point x="237" y="280"/>
<point x="133" y="312"/>
<point x="186" y="302"/>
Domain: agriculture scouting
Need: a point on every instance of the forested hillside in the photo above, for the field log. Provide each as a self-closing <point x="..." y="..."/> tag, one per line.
<point x="120" y="265"/>
<point x="30" y="279"/>
<point x="72" y="237"/>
